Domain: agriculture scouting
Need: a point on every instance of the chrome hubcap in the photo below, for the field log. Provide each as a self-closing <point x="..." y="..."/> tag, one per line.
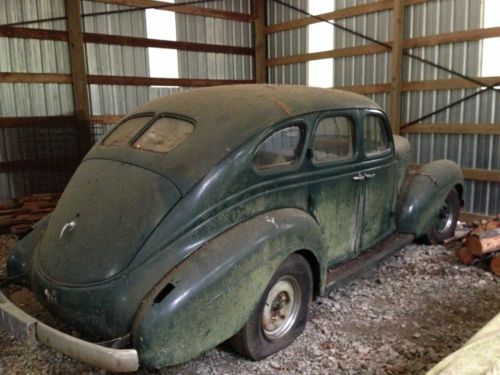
<point x="445" y="219"/>
<point x="281" y="308"/>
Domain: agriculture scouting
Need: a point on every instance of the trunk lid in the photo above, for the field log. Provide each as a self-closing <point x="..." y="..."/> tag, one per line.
<point x="108" y="210"/>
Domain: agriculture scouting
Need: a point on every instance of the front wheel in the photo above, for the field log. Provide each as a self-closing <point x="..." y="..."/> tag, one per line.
<point x="446" y="222"/>
<point x="281" y="314"/>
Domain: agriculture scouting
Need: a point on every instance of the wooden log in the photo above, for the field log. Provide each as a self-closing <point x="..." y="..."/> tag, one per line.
<point x="20" y="229"/>
<point x="465" y="256"/>
<point x="483" y="242"/>
<point x="495" y="265"/>
<point x="10" y="204"/>
<point x="15" y="211"/>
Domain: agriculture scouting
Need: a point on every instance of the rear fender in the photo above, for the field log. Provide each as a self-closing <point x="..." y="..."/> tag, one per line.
<point x="423" y="194"/>
<point x="210" y="295"/>
<point x="19" y="261"/>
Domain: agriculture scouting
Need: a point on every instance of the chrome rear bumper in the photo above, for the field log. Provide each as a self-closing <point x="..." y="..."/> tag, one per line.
<point x="19" y="324"/>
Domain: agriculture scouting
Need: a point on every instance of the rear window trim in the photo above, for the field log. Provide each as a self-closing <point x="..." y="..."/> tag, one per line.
<point x="156" y="118"/>
<point x="128" y="118"/>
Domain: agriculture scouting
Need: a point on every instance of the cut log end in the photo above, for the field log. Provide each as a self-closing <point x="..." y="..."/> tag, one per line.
<point x="465" y="256"/>
<point x="495" y="265"/>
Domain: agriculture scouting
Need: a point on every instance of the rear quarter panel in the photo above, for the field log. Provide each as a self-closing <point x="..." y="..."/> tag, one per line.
<point x="217" y="288"/>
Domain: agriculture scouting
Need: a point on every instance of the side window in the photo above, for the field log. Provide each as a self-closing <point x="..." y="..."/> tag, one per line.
<point x="375" y="139"/>
<point x="333" y="139"/>
<point x="283" y="147"/>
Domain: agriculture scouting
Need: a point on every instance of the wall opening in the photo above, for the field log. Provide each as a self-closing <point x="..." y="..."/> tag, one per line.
<point x="320" y="38"/>
<point x="163" y="62"/>
<point x="491" y="46"/>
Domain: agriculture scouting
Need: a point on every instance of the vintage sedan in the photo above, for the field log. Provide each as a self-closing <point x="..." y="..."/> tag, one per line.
<point x="218" y="214"/>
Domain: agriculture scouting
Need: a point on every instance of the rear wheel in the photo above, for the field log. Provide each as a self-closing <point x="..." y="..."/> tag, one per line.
<point x="446" y="222"/>
<point x="281" y="314"/>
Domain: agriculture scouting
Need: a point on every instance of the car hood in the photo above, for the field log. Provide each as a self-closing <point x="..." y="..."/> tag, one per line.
<point x="105" y="214"/>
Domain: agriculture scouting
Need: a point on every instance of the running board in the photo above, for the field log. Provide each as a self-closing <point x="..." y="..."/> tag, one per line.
<point x="368" y="259"/>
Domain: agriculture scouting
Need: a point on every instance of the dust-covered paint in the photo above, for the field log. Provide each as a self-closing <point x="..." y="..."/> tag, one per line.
<point x="183" y="244"/>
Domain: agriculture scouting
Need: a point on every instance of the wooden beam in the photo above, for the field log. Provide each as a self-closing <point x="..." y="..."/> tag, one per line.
<point x="106" y="119"/>
<point x="79" y="74"/>
<point x="454" y="37"/>
<point x="151" y="81"/>
<point x="66" y="163"/>
<point x="469" y="217"/>
<point x="358" y="10"/>
<point x="453" y="129"/>
<point x="259" y="14"/>
<point x="342" y="52"/>
<point x="185" y="9"/>
<point x="398" y="30"/>
<point x="157" y="43"/>
<point x="28" y="33"/>
<point x="35" y="78"/>
<point x="447" y="84"/>
<point x="34" y="121"/>
<point x="482" y="175"/>
<point x="367" y="89"/>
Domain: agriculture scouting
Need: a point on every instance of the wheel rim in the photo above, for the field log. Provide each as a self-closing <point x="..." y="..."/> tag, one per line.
<point x="445" y="218"/>
<point x="281" y="308"/>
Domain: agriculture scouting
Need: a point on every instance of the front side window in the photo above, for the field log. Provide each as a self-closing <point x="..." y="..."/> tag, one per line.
<point x="333" y="139"/>
<point x="375" y="139"/>
<point x="283" y="147"/>
<point x="164" y="135"/>
<point x="125" y="131"/>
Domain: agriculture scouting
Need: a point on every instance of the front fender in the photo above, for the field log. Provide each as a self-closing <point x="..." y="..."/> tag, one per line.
<point x="210" y="295"/>
<point x="423" y="194"/>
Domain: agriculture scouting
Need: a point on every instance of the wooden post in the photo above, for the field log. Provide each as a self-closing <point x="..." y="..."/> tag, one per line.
<point x="79" y="74"/>
<point x="259" y="14"/>
<point x="398" y="29"/>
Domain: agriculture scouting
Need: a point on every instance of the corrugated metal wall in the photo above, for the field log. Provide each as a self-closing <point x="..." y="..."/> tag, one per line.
<point x="432" y="17"/>
<point x="208" y="30"/>
<point x="286" y="43"/>
<point x="34" y="99"/>
<point x="469" y="151"/>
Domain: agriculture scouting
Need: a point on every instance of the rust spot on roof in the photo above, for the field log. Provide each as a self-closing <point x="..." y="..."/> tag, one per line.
<point x="282" y="105"/>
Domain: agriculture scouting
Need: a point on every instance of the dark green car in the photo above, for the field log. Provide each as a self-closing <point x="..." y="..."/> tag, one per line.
<point x="217" y="214"/>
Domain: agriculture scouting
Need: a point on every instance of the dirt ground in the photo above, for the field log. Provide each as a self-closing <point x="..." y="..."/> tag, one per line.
<point x="401" y="318"/>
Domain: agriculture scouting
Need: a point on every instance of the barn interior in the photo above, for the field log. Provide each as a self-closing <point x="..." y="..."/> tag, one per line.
<point x="72" y="69"/>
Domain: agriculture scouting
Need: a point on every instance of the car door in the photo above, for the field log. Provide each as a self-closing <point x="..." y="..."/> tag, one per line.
<point x="379" y="184"/>
<point x="334" y="194"/>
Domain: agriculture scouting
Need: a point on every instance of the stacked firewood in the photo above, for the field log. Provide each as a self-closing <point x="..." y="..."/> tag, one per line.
<point x="482" y="244"/>
<point x="18" y="215"/>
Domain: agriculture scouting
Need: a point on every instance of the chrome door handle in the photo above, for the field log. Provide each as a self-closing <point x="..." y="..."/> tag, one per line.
<point x="370" y="175"/>
<point x="359" y="177"/>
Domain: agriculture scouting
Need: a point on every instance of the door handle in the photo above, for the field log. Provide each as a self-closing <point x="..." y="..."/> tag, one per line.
<point x="370" y="175"/>
<point x="359" y="177"/>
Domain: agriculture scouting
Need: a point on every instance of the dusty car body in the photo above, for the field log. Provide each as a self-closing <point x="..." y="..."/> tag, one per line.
<point x="171" y="253"/>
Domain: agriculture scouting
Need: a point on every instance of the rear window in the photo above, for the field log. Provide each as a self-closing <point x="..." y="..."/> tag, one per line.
<point x="164" y="135"/>
<point x="125" y="131"/>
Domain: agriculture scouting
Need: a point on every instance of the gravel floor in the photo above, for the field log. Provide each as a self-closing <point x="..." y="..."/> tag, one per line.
<point x="401" y="318"/>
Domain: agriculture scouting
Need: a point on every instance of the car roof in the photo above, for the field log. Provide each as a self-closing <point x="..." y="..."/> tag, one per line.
<point x="253" y="107"/>
<point x="225" y="117"/>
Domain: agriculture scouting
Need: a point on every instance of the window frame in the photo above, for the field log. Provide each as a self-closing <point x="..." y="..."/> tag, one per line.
<point x="350" y="114"/>
<point x="145" y="128"/>
<point x="302" y="125"/>
<point x="386" y="129"/>
<point x="124" y="120"/>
